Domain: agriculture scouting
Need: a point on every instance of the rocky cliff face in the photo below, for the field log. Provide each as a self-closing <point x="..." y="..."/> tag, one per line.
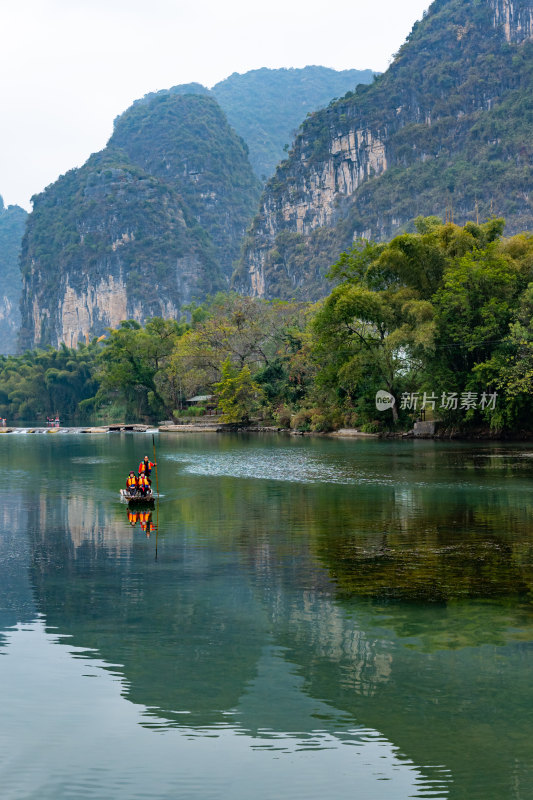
<point x="444" y="131"/>
<point x="515" y="18"/>
<point x="12" y="222"/>
<point x="144" y="227"/>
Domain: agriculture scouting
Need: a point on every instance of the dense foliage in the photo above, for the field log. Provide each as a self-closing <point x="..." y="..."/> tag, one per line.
<point x="440" y="319"/>
<point x="185" y="141"/>
<point x="12" y="221"/>
<point x="43" y="383"/>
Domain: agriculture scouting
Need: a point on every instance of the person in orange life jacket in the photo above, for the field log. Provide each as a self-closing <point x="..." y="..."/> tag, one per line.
<point x="131" y="484"/>
<point x="132" y="518"/>
<point x="146" y="466"/>
<point x="143" y="484"/>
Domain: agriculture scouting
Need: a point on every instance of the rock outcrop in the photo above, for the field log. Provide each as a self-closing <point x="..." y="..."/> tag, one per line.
<point x="444" y="131"/>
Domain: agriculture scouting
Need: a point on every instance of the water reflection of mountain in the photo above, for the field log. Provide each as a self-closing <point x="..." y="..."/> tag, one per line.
<point x="174" y="626"/>
<point x="16" y="594"/>
<point x="88" y="524"/>
<point x="236" y="592"/>
<point x="468" y="709"/>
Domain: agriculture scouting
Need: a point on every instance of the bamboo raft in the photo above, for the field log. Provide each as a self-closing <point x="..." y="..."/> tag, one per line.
<point x="137" y="498"/>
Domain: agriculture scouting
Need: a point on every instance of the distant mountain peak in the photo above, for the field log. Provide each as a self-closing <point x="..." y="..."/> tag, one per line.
<point x="146" y="226"/>
<point x="266" y="106"/>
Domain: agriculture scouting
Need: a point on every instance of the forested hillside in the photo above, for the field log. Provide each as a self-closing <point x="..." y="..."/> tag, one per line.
<point x="447" y="130"/>
<point x="157" y="218"/>
<point x="12" y="221"/>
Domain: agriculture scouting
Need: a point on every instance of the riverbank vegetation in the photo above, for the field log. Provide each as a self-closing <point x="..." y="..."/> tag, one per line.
<point x="441" y="319"/>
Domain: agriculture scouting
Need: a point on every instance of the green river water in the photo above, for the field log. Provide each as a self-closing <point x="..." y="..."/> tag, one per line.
<point x="309" y="618"/>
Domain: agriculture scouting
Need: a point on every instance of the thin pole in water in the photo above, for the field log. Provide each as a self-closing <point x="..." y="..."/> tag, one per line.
<point x="157" y="499"/>
<point x="155" y="464"/>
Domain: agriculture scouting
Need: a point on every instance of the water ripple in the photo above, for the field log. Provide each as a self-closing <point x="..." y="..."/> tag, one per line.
<point x="279" y="465"/>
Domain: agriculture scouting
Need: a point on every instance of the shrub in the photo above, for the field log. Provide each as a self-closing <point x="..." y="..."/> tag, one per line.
<point x="351" y="419"/>
<point x="372" y="427"/>
<point x="301" y="421"/>
<point x="282" y="415"/>
<point x="314" y="419"/>
<point x="188" y="413"/>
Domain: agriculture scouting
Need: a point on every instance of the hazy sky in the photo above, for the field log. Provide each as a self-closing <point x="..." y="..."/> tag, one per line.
<point x="69" y="67"/>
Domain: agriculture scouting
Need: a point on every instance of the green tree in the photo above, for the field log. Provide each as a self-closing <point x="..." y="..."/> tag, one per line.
<point x="247" y="332"/>
<point x="440" y="310"/>
<point x="238" y="394"/>
<point x="43" y="382"/>
<point x="132" y="365"/>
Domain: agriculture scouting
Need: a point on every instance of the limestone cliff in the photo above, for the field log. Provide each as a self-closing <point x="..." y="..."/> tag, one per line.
<point x="515" y="18"/>
<point x="120" y="248"/>
<point x="12" y="222"/>
<point x="446" y="130"/>
<point x="152" y="222"/>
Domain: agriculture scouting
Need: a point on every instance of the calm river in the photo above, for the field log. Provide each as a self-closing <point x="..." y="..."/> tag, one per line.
<point x="301" y="618"/>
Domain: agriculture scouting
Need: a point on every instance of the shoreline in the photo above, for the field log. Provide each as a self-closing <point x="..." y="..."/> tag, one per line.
<point x="351" y="433"/>
<point x="479" y="435"/>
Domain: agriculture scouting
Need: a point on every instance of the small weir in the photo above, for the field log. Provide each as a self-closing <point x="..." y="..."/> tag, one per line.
<point x="118" y="428"/>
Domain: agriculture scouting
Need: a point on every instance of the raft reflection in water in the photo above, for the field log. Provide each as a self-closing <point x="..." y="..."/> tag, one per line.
<point x="144" y="518"/>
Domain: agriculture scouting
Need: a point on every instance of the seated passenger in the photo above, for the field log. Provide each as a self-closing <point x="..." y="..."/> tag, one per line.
<point x="131" y="484"/>
<point x="143" y="485"/>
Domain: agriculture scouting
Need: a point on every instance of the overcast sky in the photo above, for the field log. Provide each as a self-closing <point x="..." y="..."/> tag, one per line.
<point x="69" y="67"/>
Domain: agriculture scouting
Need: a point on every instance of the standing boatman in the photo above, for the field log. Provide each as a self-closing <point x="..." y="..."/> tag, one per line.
<point x="145" y="468"/>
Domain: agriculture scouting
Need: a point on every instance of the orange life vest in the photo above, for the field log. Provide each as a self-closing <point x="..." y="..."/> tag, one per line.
<point x="146" y="466"/>
<point x="143" y="481"/>
<point x="132" y="481"/>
